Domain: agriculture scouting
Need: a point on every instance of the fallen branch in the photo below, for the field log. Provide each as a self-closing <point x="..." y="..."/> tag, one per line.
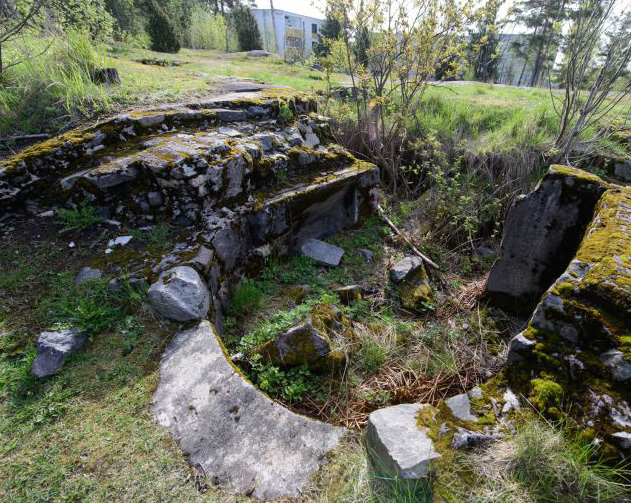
<point x="416" y="251"/>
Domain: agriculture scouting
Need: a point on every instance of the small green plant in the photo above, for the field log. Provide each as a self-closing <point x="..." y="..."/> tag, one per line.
<point x="249" y="296"/>
<point x="284" y="113"/>
<point x="290" y="384"/>
<point x="79" y="218"/>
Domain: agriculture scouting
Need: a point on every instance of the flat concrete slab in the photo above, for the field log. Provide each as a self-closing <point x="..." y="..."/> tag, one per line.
<point x="238" y="437"/>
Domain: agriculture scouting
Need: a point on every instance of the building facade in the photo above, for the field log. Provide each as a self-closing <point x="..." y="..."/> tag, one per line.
<point x="296" y="35"/>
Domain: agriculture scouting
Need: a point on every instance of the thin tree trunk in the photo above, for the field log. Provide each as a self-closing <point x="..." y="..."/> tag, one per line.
<point x="271" y="6"/>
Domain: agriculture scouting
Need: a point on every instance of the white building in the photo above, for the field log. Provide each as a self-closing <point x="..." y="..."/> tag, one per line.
<point x="296" y="35"/>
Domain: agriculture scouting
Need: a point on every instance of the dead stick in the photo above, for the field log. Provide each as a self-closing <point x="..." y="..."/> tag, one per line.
<point x="399" y="233"/>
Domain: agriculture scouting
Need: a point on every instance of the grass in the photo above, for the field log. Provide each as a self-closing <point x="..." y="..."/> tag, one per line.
<point x="393" y="357"/>
<point x="79" y="218"/>
<point x="54" y="91"/>
<point x="541" y="463"/>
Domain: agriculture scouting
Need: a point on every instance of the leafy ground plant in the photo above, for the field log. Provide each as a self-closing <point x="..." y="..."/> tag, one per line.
<point x="79" y="218"/>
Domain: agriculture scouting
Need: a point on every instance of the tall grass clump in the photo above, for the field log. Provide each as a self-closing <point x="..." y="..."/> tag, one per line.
<point x="52" y="88"/>
<point x="541" y="464"/>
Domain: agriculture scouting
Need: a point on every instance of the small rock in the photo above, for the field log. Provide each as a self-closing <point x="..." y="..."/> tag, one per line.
<point x="312" y="140"/>
<point x="71" y="244"/>
<point x="52" y="349"/>
<point x="88" y="274"/>
<point x="511" y="402"/>
<point x="297" y="293"/>
<point x="517" y="346"/>
<point x="155" y="199"/>
<point x="47" y="214"/>
<point x="485" y="254"/>
<point x="114" y="223"/>
<point x="349" y="294"/>
<point x="108" y="251"/>
<point x="258" y="53"/>
<point x="323" y="253"/>
<point x="615" y="362"/>
<point x="396" y="444"/>
<point x="119" y="241"/>
<point x="460" y="407"/>
<point x="623" y="439"/>
<point x="413" y="286"/>
<point x="301" y="344"/>
<point x="466" y="439"/>
<point x="475" y="392"/>
<point x="366" y="254"/>
<point x="180" y="294"/>
<point x="404" y="267"/>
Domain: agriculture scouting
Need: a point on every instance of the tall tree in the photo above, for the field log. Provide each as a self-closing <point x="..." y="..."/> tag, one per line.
<point x="331" y="30"/>
<point x="485" y="40"/>
<point x="545" y="18"/>
<point x="246" y="27"/>
<point x="163" y="33"/>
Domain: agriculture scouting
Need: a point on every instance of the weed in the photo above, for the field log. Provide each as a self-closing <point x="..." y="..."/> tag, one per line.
<point x="290" y="384"/>
<point x="79" y="218"/>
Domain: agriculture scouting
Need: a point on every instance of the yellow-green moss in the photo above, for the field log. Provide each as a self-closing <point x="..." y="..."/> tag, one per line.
<point x="545" y="393"/>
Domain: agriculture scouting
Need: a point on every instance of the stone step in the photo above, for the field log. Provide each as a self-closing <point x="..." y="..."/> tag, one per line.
<point x="34" y="170"/>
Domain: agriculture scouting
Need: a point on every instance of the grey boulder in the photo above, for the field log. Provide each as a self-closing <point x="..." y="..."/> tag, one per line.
<point x="52" y="349"/>
<point x="180" y="294"/>
<point x="88" y="274"/>
<point x="460" y="407"/>
<point x="239" y="438"/>
<point x="518" y="347"/>
<point x="404" y="268"/>
<point x="398" y="447"/>
<point x="618" y="367"/>
<point x="322" y="252"/>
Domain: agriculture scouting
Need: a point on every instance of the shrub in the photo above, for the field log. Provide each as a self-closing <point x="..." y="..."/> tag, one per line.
<point x="246" y="27"/>
<point x="211" y="31"/>
<point x="163" y="33"/>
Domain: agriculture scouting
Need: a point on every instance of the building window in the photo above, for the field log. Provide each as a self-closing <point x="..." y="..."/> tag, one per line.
<point x="314" y="28"/>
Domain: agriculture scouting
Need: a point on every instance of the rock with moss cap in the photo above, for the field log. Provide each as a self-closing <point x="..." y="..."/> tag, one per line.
<point x="542" y="233"/>
<point x="412" y="284"/>
<point x="317" y="342"/>
<point x="574" y="357"/>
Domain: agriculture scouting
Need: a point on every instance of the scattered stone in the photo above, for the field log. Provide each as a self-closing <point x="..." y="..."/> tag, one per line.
<point x="258" y="53"/>
<point x="47" y="214"/>
<point x="243" y="441"/>
<point x="88" y="274"/>
<point x="511" y="402"/>
<point x="349" y="294"/>
<point x="410" y="277"/>
<point x="155" y="199"/>
<point x="366" y="254"/>
<point x="615" y="362"/>
<point x="518" y="346"/>
<point x="321" y="252"/>
<point x="460" y="407"/>
<point x="53" y="348"/>
<point x="180" y="294"/>
<point x="297" y="293"/>
<point x="465" y="439"/>
<point x="623" y="439"/>
<point x="397" y="446"/>
<point x="119" y="241"/>
<point x="405" y="267"/>
<point x="475" y="393"/>
<point x="71" y="244"/>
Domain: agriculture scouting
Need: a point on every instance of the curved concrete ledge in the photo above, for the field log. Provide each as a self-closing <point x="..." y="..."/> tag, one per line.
<point x="238" y="437"/>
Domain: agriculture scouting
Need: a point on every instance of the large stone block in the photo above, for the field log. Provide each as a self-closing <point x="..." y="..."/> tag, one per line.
<point x="541" y="235"/>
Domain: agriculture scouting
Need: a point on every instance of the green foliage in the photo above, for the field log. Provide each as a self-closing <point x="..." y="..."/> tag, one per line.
<point x="57" y="84"/>
<point x="284" y="113"/>
<point x="208" y="30"/>
<point x="162" y="30"/>
<point x="249" y="296"/>
<point x="79" y="218"/>
<point x="88" y="16"/>
<point x="246" y="27"/>
<point x="290" y="384"/>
